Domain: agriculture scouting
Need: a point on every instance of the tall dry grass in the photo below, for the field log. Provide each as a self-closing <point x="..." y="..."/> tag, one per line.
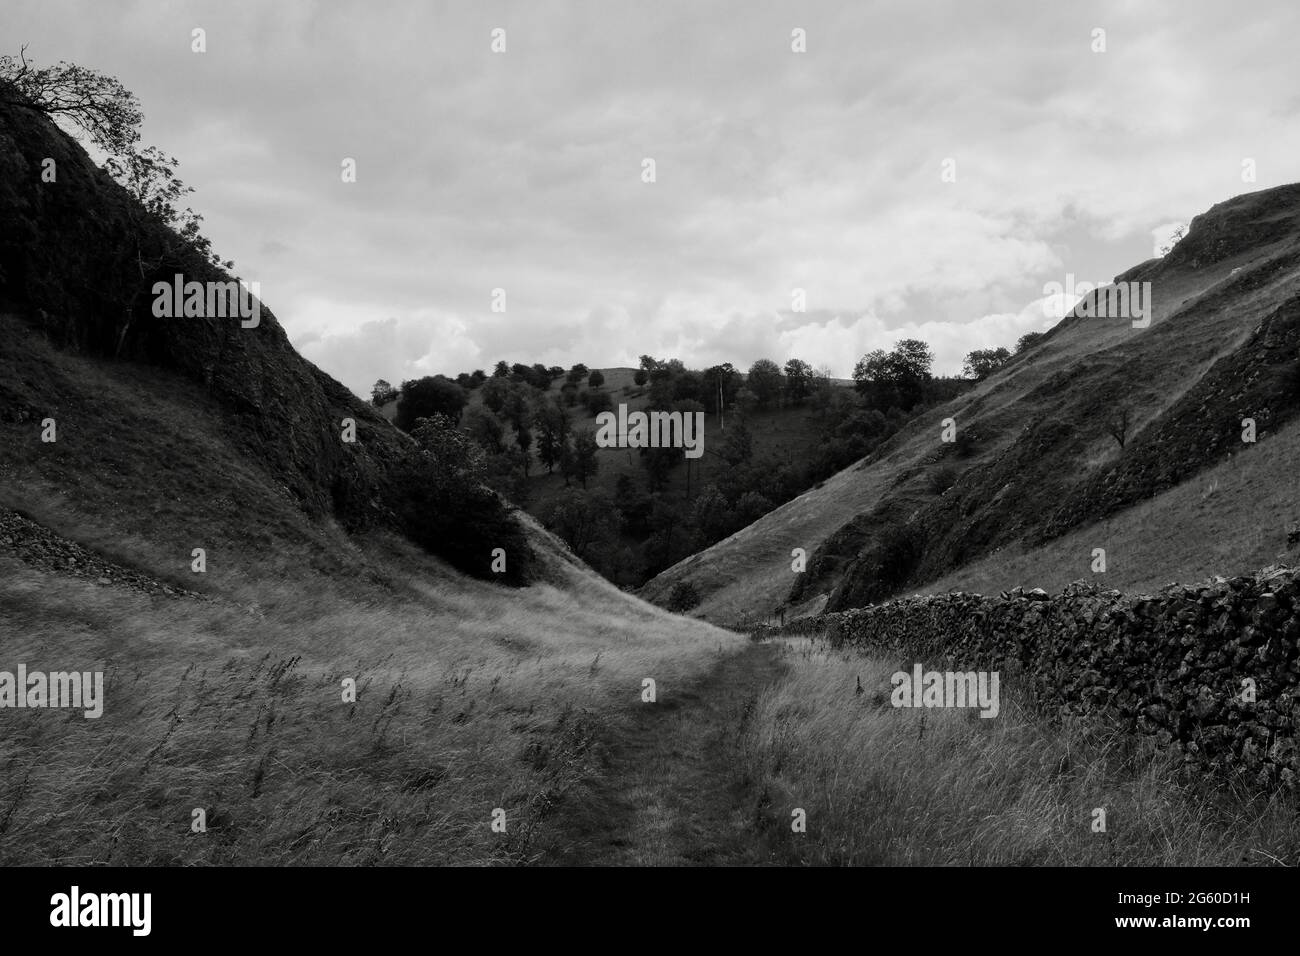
<point x="895" y="786"/>
<point x="470" y="698"/>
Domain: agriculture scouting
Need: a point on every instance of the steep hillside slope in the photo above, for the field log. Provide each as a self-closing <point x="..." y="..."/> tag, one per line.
<point x="1222" y="346"/>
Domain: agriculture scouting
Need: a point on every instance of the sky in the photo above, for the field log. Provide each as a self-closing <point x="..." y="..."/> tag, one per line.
<point x="921" y="169"/>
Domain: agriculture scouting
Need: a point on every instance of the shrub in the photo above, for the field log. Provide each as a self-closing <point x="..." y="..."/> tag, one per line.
<point x="898" y="554"/>
<point x="444" y="506"/>
<point x="943" y="478"/>
<point x="683" y="597"/>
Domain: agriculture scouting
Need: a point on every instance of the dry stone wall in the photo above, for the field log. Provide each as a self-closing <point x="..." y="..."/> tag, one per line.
<point x="1182" y="665"/>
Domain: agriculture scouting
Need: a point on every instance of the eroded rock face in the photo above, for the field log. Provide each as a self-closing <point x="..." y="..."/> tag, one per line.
<point x="69" y="265"/>
<point x="1182" y="665"/>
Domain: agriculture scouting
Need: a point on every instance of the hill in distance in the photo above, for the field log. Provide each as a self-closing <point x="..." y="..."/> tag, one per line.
<point x="1040" y="481"/>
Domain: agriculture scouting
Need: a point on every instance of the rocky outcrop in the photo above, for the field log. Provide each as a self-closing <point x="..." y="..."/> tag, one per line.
<point x="71" y="264"/>
<point x="43" y="549"/>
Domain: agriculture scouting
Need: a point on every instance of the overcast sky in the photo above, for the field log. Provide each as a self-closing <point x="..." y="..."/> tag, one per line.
<point x="775" y="170"/>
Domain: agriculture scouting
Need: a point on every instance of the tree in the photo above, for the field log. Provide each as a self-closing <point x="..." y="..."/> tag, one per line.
<point x="683" y="597"/>
<point x="1028" y="341"/>
<point x="429" y="396"/>
<point x="1175" y="237"/>
<point x="981" y="363"/>
<point x="584" y="520"/>
<point x="524" y="439"/>
<point x="517" y="408"/>
<point x="719" y="383"/>
<point x="442" y="502"/>
<point x="577" y="373"/>
<point x="596" y="379"/>
<point x="659" y="464"/>
<point x="486" y="429"/>
<point x="798" y="380"/>
<point x="552" y="421"/>
<point x="640" y="377"/>
<point x="584" y="455"/>
<point x="912" y="358"/>
<point x="738" y="445"/>
<point x="495" y="391"/>
<point x="894" y="378"/>
<point x="501" y="369"/>
<point x="597" y="402"/>
<point x="382" y="393"/>
<point x="94" y="102"/>
<point x="109" y="114"/>
<point x="765" y="381"/>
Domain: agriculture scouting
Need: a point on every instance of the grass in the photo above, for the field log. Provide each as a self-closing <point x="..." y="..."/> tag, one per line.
<point x="468" y="702"/>
<point x="1230" y="519"/>
<point x="903" y="787"/>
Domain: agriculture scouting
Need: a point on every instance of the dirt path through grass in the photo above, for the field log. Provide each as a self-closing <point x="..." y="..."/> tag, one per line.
<point x="668" y="793"/>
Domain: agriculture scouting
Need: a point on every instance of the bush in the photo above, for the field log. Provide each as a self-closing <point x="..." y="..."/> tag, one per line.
<point x="898" y="554"/>
<point x="431" y="395"/>
<point x="683" y="597"/>
<point x="442" y="502"/>
<point x="943" y="478"/>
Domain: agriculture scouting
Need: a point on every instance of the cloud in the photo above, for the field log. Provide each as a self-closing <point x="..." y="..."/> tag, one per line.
<point x="775" y="170"/>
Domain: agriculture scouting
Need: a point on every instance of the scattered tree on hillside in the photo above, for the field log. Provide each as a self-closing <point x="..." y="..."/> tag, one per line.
<point x="597" y="402"/>
<point x="382" y="393"/>
<point x="798" y="380"/>
<point x="552" y="420"/>
<point x="485" y="428"/>
<point x="683" y="597"/>
<point x="766" y="382"/>
<point x="585" y="464"/>
<point x="981" y="363"/>
<point x="897" y="377"/>
<point x="441" y="497"/>
<point x="1028" y="341"/>
<point x="1174" y="238"/>
<point x="501" y="369"/>
<point x="429" y="396"/>
<point x="584" y="520"/>
<point x="658" y="464"/>
<point x="109" y="114"/>
<point x="719" y="385"/>
<point x="596" y="379"/>
<point x="495" y="391"/>
<point x="641" y="376"/>
<point x="738" y="445"/>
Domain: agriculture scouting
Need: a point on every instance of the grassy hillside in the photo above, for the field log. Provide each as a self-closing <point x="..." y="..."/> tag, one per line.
<point x="1222" y="346"/>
